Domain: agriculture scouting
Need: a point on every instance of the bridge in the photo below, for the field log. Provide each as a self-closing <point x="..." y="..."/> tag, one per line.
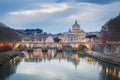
<point x="50" y="44"/>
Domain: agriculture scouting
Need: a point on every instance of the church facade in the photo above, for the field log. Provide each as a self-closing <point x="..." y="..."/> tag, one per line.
<point x="75" y="34"/>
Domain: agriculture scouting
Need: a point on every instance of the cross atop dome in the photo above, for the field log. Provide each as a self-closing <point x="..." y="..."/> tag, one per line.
<point x="75" y="21"/>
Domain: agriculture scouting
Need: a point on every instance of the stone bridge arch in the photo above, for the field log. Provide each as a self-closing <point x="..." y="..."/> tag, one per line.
<point x="26" y="54"/>
<point x="46" y="45"/>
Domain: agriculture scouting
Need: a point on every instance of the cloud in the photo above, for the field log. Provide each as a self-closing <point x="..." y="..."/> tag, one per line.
<point x="90" y="11"/>
<point x="93" y="16"/>
<point x="61" y="16"/>
<point x="44" y="8"/>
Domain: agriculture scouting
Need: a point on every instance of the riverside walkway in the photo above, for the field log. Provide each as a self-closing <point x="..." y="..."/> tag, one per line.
<point x="104" y="57"/>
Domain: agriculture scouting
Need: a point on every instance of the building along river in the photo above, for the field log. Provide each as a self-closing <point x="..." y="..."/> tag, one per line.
<point x="52" y="65"/>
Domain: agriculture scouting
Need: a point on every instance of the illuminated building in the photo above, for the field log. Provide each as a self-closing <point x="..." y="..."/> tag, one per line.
<point x="49" y="39"/>
<point x="75" y="34"/>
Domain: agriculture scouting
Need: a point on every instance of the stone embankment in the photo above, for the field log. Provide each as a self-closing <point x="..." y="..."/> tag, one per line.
<point x="7" y="57"/>
<point x="113" y="50"/>
<point x="104" y="57"/>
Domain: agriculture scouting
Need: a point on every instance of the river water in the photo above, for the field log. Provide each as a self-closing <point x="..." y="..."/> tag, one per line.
<point x="67" y="65"/>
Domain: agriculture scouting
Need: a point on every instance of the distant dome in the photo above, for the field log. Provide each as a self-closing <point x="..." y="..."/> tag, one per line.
<point x="49" y="39"/>
<point x="76" y="25"/>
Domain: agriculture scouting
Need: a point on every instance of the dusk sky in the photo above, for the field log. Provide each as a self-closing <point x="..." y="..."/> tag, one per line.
<point x="56" y="16"/>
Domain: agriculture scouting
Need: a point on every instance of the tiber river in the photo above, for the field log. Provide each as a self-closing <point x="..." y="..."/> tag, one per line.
<point x="57" y="66"/>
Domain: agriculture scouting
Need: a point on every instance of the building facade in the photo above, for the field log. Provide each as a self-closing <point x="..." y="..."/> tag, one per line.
<point x="75" y="34"/>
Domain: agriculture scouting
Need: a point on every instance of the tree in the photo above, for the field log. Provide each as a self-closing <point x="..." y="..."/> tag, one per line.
<point x="28" y="32"/>
<point x="38" y="30"/>
<point x="56" y="39"/>
<point x="91" y="36"/>
<point x="82" y="48"/>
<point x="111" y="30"/>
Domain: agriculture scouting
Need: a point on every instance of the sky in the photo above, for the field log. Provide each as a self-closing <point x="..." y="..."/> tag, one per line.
<point x="55" y="16"/>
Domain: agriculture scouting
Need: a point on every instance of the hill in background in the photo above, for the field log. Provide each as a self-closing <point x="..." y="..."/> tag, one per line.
<point x="7" y="34"/>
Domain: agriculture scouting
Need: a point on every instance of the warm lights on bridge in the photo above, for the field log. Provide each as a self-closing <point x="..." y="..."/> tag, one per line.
<point x="1" y="44"/>
<point x="88" y="46"/>
<point x="75" y="46"/>
<point x="16" y="45"/>
<point x="59" y="46"/>
<point x="9" y="44"/>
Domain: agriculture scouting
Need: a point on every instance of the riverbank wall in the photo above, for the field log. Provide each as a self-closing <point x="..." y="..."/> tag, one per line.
<point x="107" y="49"/>
<point x="104" y="57"/>
<point x="8" y="55"/>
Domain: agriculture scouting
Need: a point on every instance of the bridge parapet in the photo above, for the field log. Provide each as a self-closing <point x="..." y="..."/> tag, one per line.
<point x="51" y="44"/>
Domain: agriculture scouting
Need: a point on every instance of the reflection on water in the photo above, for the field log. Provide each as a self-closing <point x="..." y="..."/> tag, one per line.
<point x="57" y="66"/>
<point x="9" y="68"/>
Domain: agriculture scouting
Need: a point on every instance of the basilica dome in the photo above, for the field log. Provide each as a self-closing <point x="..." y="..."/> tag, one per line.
<point x="49" y="39"/>
<point x="75" y="27"/>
